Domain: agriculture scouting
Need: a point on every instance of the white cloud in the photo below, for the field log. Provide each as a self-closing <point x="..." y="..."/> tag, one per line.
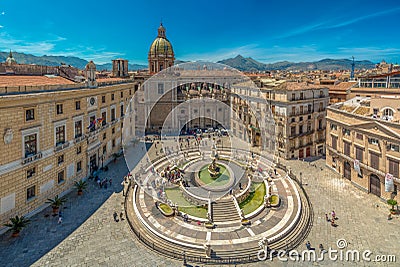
<point x="53" y="46"/>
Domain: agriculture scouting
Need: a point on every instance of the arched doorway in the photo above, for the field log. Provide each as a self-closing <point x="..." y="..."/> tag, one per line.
<point x="347" y="170"/>
<point x="374" y="185"/>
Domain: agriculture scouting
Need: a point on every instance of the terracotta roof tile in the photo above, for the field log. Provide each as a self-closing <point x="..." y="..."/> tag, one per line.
<point x="20" y="80"/>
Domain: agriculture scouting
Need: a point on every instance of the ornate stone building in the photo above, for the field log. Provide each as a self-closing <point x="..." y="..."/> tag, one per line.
<point x="161" y="54"/>
<point x="54" y="132"/>
<point x="363" y="143"/>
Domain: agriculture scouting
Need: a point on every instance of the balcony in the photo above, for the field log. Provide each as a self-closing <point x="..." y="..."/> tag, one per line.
<point x="79" y="139"/>
<point x="61" y="146"/>
<point x="32" y="158"/>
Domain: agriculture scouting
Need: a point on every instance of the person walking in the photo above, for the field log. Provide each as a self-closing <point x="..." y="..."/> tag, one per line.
<point x="308" y="245"/>
<point x="327" y="217"/>
<point x="115" y="215"/>
<point x="333" y="215"/>
<point x="59" y="219"/>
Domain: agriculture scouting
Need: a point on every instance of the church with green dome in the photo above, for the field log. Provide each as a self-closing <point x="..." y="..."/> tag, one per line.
<point x="161" y="54"/>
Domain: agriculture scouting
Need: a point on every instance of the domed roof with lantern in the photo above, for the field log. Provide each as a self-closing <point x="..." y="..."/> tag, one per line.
<point x="161" y="45"/>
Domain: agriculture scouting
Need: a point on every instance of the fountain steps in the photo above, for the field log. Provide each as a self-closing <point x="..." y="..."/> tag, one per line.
<point x="224" y="210"/>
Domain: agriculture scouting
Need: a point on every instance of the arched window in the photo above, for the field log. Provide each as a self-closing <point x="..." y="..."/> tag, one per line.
<point x="388" y="112"/>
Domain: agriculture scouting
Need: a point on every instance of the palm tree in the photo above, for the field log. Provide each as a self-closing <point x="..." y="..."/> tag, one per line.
<point x="17" y="224"/>
<point x="56" y="203"/>
<point x="80" y="185"/>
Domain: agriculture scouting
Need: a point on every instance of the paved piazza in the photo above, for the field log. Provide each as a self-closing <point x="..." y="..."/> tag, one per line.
<point x="89" y="236"/>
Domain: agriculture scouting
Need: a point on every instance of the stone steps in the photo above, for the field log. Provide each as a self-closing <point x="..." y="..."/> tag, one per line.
<point x="224" y="210"/>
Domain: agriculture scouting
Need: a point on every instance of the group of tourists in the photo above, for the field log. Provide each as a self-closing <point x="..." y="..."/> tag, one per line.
<point x="332" y="219"/>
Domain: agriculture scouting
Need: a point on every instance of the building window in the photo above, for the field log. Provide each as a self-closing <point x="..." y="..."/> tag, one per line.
<point x="393" y="147"/>
<point x="30" y="142"/>
<point x="112" y="97"/>
<point x="104" y="150"/>
<point x="333" y="126"/>
<point x="346" y="149"/>
<point x="182" y="111"/>
<point x="103" y="118"/>
<point x="293" y="96"/>
<point x="359" y="136"/>
<point x="394" y="168"/>
<point x="309" y="108"/>
<point x="293" y="131"/>
<point x="374" y="160"/>
<point x="309" y="127"/>
<point x="79" y="166"/>
<point x="359" y="154"/>
<point x="130" y="91"/>
<point x="78" y="129"/>
<point x="30" y="114"/>
<point x="293" y="111"/>
<point x="309" y="117"/>
<point x="113" y="143"/>
<point x="60" y="135"/>
<point x="300" y="129"/>
<point x="388" y="112"/>
<point x="373" y="141"/>
<point x="334" y="142"/>
<point x="104" y="136"/>
<point x="160" y="88"/>
<point x="375" y="110"/>
<point x="59" y="109"/>
<point x="31" y="192"/>
<point x="301" y="96"/>
<point x="122" y="111"/>
<point x="60" y="159"/>
<point x="78" y="150"/>
<point x="113" y="130"/>
<point x="30" y="172"/>
<point x="122" y="94"/>
<point x="113" y="114"/>
<point x="195" y="111"/>
<point x="301" y="118"/>
<point x="301" y="109"/>
<point x="77" y="105"/>
<point x="321" y="94"/>
<point x="346" y="132"/>
<point x="103" y="99"/>
<point x="293" y="120"/>
<point x="320" y="124"/>
<point x="60" y="177"/>
<point x="321" y="107"/>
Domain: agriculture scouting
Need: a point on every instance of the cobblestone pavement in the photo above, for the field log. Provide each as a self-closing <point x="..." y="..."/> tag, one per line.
<point x="89" y="236"/>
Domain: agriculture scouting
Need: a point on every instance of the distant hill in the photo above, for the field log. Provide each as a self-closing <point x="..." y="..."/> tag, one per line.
<point x="57" y="60"/>
<point x="249" y="64"/>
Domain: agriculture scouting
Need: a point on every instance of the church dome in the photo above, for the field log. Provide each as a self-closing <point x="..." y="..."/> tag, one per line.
<point x="10" y="60"/>
<point x="161" y="46"/>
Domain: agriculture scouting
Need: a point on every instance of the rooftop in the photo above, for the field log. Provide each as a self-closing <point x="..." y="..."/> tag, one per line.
<point x="17" y="80"/>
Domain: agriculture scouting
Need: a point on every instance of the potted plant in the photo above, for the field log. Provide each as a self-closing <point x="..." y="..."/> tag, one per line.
<point x="166" y="209"/>
<point x="392" y="203"/>
<point x="56" y="203"/>
<point x="246" y="222"/>
<point x="17" y="224"/>
<point x="209" y="225"/>
<point x="80" y="185"/>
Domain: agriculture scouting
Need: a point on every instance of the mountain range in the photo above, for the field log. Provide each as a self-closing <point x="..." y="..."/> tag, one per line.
<point x="239" y="62"/>
<point x="249" y="64"/>
<point x="57" y="60"/>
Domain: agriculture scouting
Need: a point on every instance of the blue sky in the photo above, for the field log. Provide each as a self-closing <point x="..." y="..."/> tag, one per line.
<point x="268" y="31"/>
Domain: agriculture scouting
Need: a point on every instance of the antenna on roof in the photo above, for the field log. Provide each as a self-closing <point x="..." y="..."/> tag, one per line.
<point x="352" y="70"/>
